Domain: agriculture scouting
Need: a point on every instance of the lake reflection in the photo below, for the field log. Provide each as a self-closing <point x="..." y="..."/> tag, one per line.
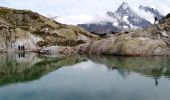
<point x="36" y="77"/>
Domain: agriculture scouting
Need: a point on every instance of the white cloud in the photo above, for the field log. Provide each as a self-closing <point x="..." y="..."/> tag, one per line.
<point x="146" y="15"/>
<point x="75" y="19"/>
<point x="80" y="11"/>
<point x="102" y="18"/>
<point x="89" y="65"/>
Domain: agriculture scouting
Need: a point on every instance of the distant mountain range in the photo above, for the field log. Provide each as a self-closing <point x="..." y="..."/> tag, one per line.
<point x="125" y="19"/>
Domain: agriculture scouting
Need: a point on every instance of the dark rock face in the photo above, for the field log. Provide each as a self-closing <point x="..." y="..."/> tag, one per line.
<point x="101" y="28"/>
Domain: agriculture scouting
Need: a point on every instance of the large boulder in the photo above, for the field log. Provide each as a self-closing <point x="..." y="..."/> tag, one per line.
<point x="128" y="47"/>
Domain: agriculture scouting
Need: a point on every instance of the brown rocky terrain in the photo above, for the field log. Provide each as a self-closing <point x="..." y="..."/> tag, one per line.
<point x="34" y="31"/>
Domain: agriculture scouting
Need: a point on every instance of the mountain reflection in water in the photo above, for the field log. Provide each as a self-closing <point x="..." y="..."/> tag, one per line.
<point x="154" y="67"/>
<point x="27" y="67"/>
<point x="83" y="77"/>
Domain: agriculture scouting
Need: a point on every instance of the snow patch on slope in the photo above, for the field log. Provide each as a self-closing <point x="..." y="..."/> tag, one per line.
<point x="125" y="18"/>
<point x="115" y="24"/>
<point x="103" y="19"/>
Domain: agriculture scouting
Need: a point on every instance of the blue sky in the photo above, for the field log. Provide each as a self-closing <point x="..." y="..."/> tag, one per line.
<point x="80" y="11"/>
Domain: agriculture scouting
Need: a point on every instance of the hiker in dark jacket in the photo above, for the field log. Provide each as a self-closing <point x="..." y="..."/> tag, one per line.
<point x="156" y="20"/>
<point x="19" y="48"/>
<point x="23" y="48"/>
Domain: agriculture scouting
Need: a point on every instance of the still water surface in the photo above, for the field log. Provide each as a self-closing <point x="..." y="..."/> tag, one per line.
<point x="35" y="77"/>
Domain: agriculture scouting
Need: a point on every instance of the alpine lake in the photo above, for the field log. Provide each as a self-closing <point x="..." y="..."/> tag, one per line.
<point x="30" y="76"/>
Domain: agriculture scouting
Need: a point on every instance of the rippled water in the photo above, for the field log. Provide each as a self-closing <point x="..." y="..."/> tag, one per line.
<point x="36" y="77"/>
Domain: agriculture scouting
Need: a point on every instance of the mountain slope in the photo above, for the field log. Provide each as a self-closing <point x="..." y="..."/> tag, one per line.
<point x="24" y="27"/>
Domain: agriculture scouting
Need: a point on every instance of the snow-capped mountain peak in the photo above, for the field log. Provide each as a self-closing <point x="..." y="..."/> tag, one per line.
<point x="124" y="9"/>
<point x="126" y="18"/>
<point x="124" y="5"/>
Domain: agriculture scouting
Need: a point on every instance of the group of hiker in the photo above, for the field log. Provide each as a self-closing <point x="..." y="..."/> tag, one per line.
<point x="21" y="48"/>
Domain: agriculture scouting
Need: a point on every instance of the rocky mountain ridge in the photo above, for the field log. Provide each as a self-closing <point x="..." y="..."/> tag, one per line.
<point x="126" y="19"/>
<point x="150" y="41"/>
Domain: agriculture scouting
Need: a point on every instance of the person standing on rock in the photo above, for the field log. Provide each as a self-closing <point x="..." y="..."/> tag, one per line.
<point x="19" y="48"/>
<point x="156" y="20"/>
<point x="23" y="48"/>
